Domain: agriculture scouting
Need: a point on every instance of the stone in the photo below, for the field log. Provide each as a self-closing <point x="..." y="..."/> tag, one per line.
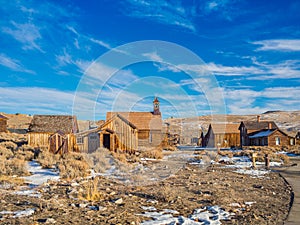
<point x="119" y="201"/>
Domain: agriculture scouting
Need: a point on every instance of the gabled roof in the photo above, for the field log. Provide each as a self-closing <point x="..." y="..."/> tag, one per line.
<point x="142" y="120"/>
<point x="265" y="133"/>
<point x="121" y="117"/>
<point x="3" y="117"/>
<point x="54" y="123"/>
<point x="255" y="125"/>
<point x="262" y="133"/>
<point x="219" y="128"/>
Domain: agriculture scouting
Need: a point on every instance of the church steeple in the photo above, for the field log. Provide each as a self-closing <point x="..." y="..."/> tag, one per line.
<point x="156" y="107"/>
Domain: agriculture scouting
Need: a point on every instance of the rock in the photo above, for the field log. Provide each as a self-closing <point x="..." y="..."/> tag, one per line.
<point x="82" y="205"/>
<point x="119" y="201"/>
<point x="50" y="220"/>
<point x="112" y="193"/>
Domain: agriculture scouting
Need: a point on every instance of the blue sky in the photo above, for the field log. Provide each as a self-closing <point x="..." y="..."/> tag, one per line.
<point x="251" y="50"/>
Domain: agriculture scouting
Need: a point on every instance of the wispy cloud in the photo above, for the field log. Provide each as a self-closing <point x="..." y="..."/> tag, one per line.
<point x="13" y="64"/>
<point x="161" y="11"/>
<point x="285" y="45"/>
<point x="27" y="34"/>
<point x="26" y="99"/>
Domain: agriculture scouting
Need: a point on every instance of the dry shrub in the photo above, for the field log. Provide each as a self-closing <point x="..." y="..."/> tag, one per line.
<point x="91" y="192"/>
<point x="47" y="159"/>
<point x="280" y="158"/>
<point x="9" y="145"/>
<point x="121" y="156"/>
<point x="213" y="155"/>
<point x="100" y="160"/>
<point x="14" y="166"/>
<point x="6" y="153"/>
<point x="166" y="193"/>
<point x="73" y="166"/>
<point x="152" y="153"/>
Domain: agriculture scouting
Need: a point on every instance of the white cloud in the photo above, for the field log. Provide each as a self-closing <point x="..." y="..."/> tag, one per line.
<point x="161" y="11"/>
<point x="288" y="45"/>
<point x="28" y="34"/>
<point x="34" y="100"/>
<point x="13" y="64"/>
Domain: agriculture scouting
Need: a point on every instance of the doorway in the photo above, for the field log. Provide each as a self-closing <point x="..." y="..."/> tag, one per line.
<point x="106" y="141"/>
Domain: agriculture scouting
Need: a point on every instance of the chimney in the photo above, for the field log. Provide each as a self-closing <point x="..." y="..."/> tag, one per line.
<point x="258" y="118"/>
<point x="270" y="126"/>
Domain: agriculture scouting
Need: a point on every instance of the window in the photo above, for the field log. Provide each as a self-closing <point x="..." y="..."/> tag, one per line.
<point x="292" y="142"/>
<point x="277" y="140"/>
<point x="79" y="140"/>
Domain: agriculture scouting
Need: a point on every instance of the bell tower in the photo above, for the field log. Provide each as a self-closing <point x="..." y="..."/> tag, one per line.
<point x="156" y="107"/>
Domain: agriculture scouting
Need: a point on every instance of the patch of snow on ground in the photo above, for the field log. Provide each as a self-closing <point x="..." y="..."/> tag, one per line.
<point x="252" y="172"/>
<point x="19" y="213"/>
<point x="30" y="193"/>
<point x="205" y="216"/>
<point x="40" y="175"/>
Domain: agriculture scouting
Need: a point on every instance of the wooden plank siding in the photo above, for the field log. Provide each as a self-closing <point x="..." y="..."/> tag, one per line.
<point x="122" y="135"/>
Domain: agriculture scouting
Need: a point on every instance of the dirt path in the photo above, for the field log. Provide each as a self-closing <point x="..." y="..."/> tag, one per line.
<point x="292" y="176"/>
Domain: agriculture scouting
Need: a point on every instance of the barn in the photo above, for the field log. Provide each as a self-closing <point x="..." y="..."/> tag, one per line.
<point x="222" y="135"/>
<point x="133" y="130"/>
<point x="55" y="133"/>
<point x="3" y="123"/>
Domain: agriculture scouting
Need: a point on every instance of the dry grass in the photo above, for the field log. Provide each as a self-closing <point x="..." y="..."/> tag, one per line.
<point x="91" y="192"/>
<point x="6" y="153"/>
<point x="73" y="166"/>
<point x="47" y="159"/>
<point x="166" y="193"/>
<point x="13" y="166"/>
<point x="11" y="180"/>
<point x="9" y="145"/>
<point x="120" y="156"/>
<point x="152" y="153"/>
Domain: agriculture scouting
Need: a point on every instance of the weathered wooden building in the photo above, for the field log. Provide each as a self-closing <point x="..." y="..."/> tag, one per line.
<point x="271" y="138"/>
<point x="222" y="135"/>
<point x="140" y="129"/>
<point x="3" y="123"/>
<point x="53" y="132"/>
<point x="88" y="141"/>
<point x="246" y="128"/>
<point x="117" y="133"/>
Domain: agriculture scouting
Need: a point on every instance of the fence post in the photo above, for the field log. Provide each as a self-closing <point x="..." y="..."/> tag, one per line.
<point x="267" y="161"/>
<point x="254" y="155"/>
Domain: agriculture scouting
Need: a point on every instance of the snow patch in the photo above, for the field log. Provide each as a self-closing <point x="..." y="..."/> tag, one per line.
<point x="252" y="172"/>
<point x="40" y="175"/>
<point x="205" y="216"/>
<point x="19" y="213"/>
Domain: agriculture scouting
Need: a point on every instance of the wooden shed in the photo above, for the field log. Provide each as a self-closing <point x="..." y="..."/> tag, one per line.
<point x="53" y="132"/>
<point x="88" y="141"/>
<point x="117" y="133"/>
<point x="3" y="123"/>
<point x="271" y="138"/>
<point x="223" y="135"/>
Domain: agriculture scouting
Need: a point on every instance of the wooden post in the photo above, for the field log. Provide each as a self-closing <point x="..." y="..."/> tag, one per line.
<point x="267" y="161"/>
<point x="254" y="155"/>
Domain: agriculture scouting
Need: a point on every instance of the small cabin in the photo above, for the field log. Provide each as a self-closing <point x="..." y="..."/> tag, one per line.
<point x="55" y="133"/>
<point x="271" y="138"/>
<point x="88" y="141"/>
<point x="222" y="135"/>
<point x="3" y="123"/>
